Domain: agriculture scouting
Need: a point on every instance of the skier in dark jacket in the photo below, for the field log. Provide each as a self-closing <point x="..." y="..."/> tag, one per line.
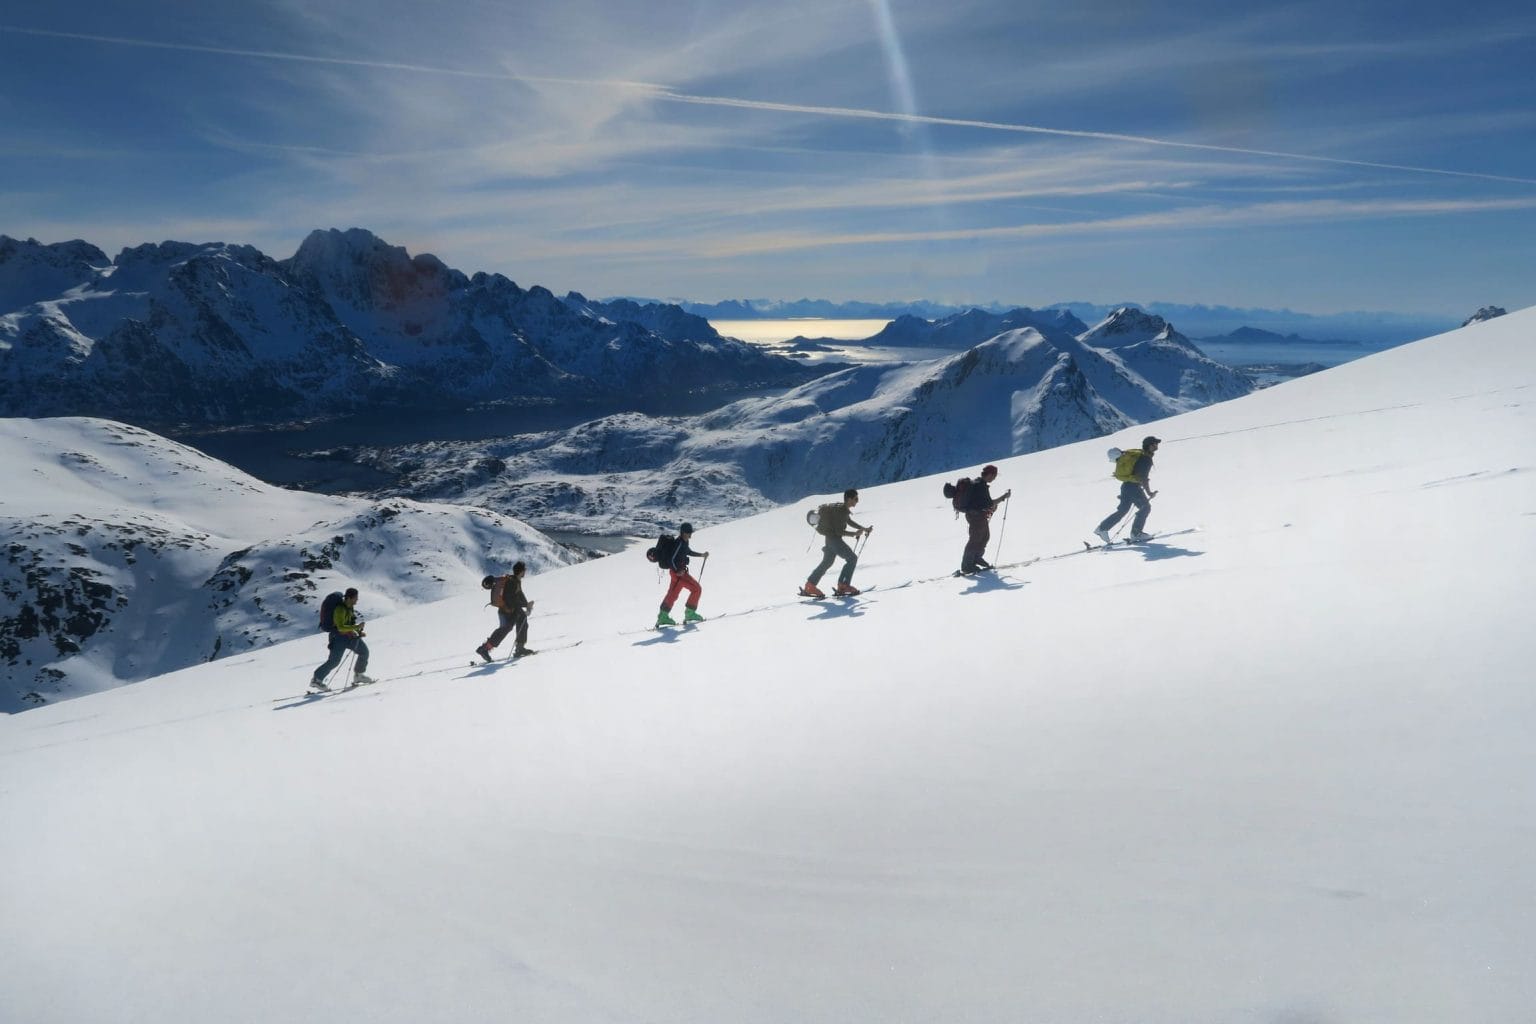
<point x="512" y="609"/>
<point x="979" y="506"/>
<point x="1134" y="492"/>
<point x="833" y="521"/>
<point x="677" y="566"/>
<point x="344" y="634"/>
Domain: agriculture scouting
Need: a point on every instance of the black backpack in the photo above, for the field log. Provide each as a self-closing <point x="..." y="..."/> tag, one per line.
<point x="328" y="611"/>
<point x="958" y="492"/>
<point x="661" y="554"/>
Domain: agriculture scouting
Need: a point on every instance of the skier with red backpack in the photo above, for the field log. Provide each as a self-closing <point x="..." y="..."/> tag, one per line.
<point x="1133" y="468"/>
<point x="512" y="609"/>
<point x="833" y="522"/>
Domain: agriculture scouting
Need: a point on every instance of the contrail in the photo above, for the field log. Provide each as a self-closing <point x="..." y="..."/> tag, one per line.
<point x="956" y="122"/>
<point x="423" y="69"/>
<point x="668" y="94"/>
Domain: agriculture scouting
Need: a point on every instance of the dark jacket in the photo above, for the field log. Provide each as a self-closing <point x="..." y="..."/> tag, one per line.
<point x="978" y="496"/>
<point x="507" y="594"/>
<point x="679" y="561"/>
<point x="1141" y="473"/>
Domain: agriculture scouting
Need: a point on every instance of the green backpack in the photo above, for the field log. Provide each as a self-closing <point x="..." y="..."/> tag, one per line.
<point x="1125" y="463"/>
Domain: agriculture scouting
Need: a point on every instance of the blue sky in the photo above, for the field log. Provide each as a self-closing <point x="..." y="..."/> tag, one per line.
<point x="1320" y="157"/>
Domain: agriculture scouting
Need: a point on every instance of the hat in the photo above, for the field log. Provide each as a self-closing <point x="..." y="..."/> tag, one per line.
<point x="989" y="470"/>
<point x="1149" y="441"/>
<point x="685" y="528"/>
<point x="519" y="566"/>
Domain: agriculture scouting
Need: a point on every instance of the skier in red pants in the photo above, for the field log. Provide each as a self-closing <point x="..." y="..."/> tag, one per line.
<point x="677" y="565"/>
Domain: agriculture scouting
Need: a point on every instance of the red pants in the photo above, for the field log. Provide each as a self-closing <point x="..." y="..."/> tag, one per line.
<point x="681" y="581"/>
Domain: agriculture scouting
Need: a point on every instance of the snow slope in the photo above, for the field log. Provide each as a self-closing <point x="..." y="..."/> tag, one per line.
<point x="1275" y="770"/>
<point x="124" y="555"/>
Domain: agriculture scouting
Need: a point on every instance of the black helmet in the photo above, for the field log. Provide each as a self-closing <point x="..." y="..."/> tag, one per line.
<point x="1150" y="442"/>
<point x="519" y="566"/>
<point x="488" y="583"/>
<point x="685" y="528"/>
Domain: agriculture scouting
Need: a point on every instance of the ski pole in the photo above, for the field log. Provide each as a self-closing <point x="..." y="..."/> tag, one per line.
<point x="339" y="666"/>
<point x="703" y="567"/>
<point x="999" y="555"/>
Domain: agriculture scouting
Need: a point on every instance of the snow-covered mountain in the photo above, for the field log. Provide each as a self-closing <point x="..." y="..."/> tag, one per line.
<point x="207" y="334"/>
<point x="128" y="556"/>
<point x="971" y="327"/>
<point x="1024" y="390"/>
<point x="1274" y="767"/>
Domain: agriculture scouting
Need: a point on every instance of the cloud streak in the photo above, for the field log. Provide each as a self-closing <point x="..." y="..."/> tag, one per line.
<point x="1196" y="218"/>
<point x="667" y="94"/>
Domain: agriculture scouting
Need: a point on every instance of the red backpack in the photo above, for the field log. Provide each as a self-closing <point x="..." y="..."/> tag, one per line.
<point x="958" y="492"/>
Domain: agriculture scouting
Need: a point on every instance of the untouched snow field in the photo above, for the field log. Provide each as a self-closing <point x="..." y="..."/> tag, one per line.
<point x="1279" y="770"/>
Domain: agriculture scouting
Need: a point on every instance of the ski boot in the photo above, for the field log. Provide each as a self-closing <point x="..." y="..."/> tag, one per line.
<point x="1139" y="538"/>
<point x="484" y="652"/>
<point x="690" y="615"/>
<point x="846" y="590"/>
<point x="663" y="619"/>
<point x="523" y="652"/>
<point x="318" y="686"/>
<point x="1103" y="535"/>
<point x="362" y="679"/>
<point x="811" y="590"/>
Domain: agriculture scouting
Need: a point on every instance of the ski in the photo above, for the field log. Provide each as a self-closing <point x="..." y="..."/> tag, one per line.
<point x="519" y="657"/>
<point x="1128" y="542"/>
<point x="329" y="691"/>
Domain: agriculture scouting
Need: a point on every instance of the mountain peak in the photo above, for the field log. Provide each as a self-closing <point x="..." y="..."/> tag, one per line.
<point x="1486" y="313"/>
<point x="365" y="272"/>
<point x="1128" y="326"/>
<point x="31" y="271"/>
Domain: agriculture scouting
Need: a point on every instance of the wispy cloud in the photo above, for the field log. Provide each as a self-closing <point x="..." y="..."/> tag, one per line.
<point x="665" y="94"/>
<point x="1159" y="221"/>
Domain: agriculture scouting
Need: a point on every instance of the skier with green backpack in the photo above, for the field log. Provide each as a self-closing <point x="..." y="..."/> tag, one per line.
<point x="834" y="522"/>
<point x="1133" y="468"/>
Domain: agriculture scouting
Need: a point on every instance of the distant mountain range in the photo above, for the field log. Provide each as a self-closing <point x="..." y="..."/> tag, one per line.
<point x="1197" y="321"/>
<point x="177" y="333"/>
<point x="1024" y="388"/>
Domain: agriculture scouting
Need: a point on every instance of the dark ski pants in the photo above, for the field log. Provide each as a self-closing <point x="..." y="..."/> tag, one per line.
<point x="980" y="522"/>
<point x="1130" y="494"/>
<point x="517" y="620"/>
<point x="831" y="551"/>
<point x="339" y="646"/>
<point x="681" y="581"/>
